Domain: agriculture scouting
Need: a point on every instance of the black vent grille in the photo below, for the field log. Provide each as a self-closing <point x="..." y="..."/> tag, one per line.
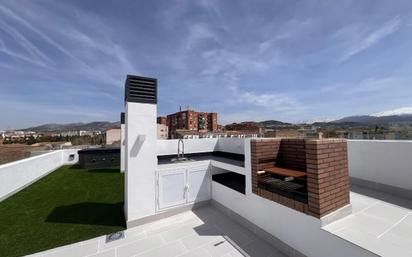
<point x="122" y="119"/>
<point x="141" y="89"/>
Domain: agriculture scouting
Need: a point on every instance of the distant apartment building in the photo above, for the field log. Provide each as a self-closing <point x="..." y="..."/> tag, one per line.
<point x="244" y="129"/>
<point x="112" y="136"/>
<point x="191" y="121"/>
<point x="162" y="131"/>
<point x="68" y="133"/>
<point x="162" y="120"/>
<point x="294" y="133"/>
<point x="290" y="133"/>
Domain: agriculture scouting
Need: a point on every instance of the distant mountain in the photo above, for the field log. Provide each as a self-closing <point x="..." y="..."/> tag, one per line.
<point x="96" y="125"/>
<point x="272" y="123"/>
<point x="369" y="119"/>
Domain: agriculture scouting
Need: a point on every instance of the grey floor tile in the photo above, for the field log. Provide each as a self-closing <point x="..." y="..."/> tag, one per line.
<point x="169" y="250"/>
<point x="108" y="253"/>
<point x="367" y="224"/>
<point x="77" y="250"/>
<point x="371" y="243"/>
<point x="219" y="247"/>
<point x="124" y="241"/>
<point x="195" y="241"/>
<point x="386" y="211"/>
<point x="140" y="246"/>
<point x="260" y="248"/>
<point x="177" y="233"/>
<point x="240" y="236"/>
<point x="199" y="252"/>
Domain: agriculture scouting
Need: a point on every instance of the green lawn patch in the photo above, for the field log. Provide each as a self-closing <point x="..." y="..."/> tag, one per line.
<point x="67" y="206"/>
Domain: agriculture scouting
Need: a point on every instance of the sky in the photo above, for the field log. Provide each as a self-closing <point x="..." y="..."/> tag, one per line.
<point x="294" y="61"/>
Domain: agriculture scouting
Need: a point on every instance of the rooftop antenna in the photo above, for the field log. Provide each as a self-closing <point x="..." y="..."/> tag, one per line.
<point x="180" y="108"/>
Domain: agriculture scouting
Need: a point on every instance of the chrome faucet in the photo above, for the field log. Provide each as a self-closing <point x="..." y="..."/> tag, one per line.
<point x="178" y="149"/>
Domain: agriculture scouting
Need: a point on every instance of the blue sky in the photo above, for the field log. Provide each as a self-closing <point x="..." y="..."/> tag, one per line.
<point x="66" y="61"/>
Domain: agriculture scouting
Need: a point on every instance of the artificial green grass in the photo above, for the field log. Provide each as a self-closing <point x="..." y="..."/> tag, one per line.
<point x="67" y="206"/>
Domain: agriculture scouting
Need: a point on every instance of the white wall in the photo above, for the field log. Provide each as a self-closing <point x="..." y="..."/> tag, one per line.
<point x="141" y="160"/>
<point x="232" y="145"/>
<point x="122" y="148"/>
<point x="16" y="175"/>
<point x="387" y="162"/>
<point x="204" y="145"/>
<point x="298" y="230"/>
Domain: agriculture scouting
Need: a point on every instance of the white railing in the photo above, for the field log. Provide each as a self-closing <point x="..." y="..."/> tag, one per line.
<point x="386" y="162"/>
<point x="15" y="176"/>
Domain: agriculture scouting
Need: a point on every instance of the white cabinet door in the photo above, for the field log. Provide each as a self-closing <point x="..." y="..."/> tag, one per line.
<point x="171" y="188"/>
<point x="198" y="184"/>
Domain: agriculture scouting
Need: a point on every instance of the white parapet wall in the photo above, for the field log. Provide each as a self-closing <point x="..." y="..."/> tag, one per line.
<point x="382" y="162"/>
<point x="17" y="175"/>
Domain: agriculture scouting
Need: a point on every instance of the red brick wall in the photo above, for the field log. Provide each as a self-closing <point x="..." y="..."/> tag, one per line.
<point x="212" y="121"/>
<point x="325" y="162"/>
<point x="293" y="155"/>
<point x="328" y="176"/>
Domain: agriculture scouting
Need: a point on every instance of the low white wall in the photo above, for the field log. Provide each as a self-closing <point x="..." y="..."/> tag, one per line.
<point x="16" y="175"/>
<point x="298" y="230"/>
<point x="386" y="162"/>
<point x="231" y="145"/>
<point x="168" y="147"/>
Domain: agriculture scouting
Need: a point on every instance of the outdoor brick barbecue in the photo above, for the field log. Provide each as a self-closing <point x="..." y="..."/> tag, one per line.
<point x="310" y="176"/>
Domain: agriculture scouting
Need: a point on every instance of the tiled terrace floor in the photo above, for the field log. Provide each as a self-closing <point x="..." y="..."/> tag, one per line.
<point x="380" y="223"/>
<point x="201" y="232"/>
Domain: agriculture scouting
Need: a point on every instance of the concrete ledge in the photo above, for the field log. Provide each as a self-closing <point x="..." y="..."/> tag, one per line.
<point x="277" y="243"/>
<point x="397" y="191"/>
<point x="165" y="214"/>
<point x="336" y="215"/>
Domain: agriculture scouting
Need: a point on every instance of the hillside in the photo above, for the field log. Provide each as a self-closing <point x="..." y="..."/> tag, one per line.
<point x="96" y="125"/>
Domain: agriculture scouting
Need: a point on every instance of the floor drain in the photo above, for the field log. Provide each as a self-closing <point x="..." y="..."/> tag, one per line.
<point x="114" y="236"/>
<point x="219" y="243"/>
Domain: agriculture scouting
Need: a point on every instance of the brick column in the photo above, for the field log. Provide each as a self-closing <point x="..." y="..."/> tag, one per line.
<point x="327" y="175"/>
<point x="264" y="153"/>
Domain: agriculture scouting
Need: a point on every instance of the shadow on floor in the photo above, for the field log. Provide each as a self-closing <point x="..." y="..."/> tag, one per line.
<point x="246" y="242"/>
<point x="396" y="200"/>
<point x="105" y="214"/>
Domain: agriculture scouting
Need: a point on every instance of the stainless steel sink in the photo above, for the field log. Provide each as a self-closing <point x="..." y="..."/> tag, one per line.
<point x="181" y="159"/>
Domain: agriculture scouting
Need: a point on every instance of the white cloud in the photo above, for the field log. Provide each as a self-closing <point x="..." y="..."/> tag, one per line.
<point x="85" y="44"/>
<point x="222" y="61"/>
<point x="199" y="32"/>
<point x="371" y="85"/>
<point x="363" y="41"/>
<point x="271" y="101"/>
<point x="368" y="85"/>
<point x="36" y="55"/>
<point x="399" y="111"/>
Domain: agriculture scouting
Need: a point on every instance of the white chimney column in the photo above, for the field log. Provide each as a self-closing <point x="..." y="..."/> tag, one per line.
<point x="122" y="143"/>
<point x="140" y="148"/>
